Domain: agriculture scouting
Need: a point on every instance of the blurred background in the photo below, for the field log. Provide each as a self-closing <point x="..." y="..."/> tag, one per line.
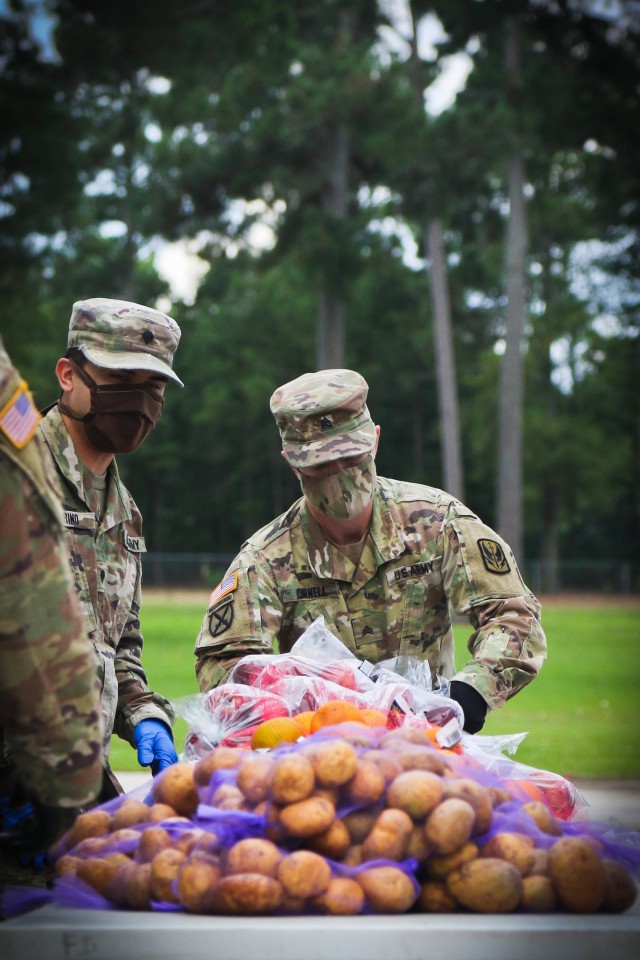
<point x="441" y="194"/>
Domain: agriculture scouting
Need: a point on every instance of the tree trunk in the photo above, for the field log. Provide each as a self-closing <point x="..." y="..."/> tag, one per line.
<point x="509" y="507"/>
<point x="450" y="442"/>
<point x="445" y="364"/>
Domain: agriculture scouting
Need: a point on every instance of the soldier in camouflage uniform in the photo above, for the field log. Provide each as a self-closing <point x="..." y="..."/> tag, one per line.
<point x="51" y="738"/>
<point x="382" y="560"/>
<point x="112" y="377"/>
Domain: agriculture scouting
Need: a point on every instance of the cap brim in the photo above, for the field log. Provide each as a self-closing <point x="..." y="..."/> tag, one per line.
<point x="338" y="447"/>
<point x="131" y="360"/>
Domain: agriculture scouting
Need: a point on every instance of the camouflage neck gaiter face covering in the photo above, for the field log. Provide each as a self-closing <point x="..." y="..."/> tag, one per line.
<point x="121" y="414"/>
<point x="344" y="494"/>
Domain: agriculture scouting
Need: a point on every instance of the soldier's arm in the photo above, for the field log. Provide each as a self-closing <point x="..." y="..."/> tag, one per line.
<point x="482" y="581"/>
<point x="243" y="618"/>
<point x="136" y="701"/>
<point x="49" y="702"/>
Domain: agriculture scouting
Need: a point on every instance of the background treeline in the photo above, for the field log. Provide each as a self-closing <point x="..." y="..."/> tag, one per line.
<point x="288" y="142"/>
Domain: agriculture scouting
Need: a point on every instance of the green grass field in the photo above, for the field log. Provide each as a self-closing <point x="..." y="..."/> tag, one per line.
<point x="582" y="714"/>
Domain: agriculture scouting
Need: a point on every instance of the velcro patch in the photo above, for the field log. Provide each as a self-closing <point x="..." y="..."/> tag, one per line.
<point x="410" y="571"/>
<point x="19" y="418"/>
<point x="493" y="557"/>
<point x="221" y="618"/>
<point x="228" y="585"/>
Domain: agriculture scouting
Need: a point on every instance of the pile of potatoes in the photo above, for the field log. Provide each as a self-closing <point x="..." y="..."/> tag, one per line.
<point x="361" y="822"/>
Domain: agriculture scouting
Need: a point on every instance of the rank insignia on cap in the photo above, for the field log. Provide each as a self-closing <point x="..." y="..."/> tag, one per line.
<point x="493" y="557"/>
<point x="228" y="585"/>
<point x="326" y="423"/>
<point x="19" y="417"/>
<point x="147" y="336"/>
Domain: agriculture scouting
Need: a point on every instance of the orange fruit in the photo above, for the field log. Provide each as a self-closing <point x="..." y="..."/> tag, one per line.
<point x="304" y="721"/>
<point x="277" y="730"/>
<point x="332" y="712"/>
<point x="373" y="718"/>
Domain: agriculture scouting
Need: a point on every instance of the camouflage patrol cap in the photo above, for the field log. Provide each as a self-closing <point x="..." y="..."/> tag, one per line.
<point x="121" y="335"/>
<point x="323" y="416"/>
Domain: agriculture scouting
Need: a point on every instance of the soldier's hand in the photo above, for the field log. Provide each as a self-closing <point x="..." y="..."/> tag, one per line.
<point x="155" y="745"/>
<point x="474" y="706"/>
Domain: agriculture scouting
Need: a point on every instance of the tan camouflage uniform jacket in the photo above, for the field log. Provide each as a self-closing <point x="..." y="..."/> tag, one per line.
<point x="107" y="569"/>
<point x="425" y="552"/>
<point x="49" y="707"/>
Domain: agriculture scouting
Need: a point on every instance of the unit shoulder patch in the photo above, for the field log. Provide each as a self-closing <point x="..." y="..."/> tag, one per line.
<point x="493" y="557"/>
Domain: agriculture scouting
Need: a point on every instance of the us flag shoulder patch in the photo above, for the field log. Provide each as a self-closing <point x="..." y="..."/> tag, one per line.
<point x="228" y="585"/>
<point x="19" y="418"/>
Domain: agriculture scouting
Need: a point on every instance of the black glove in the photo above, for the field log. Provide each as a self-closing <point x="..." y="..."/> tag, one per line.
<point x="39" y="828"/>
<point x="474" y="705"/>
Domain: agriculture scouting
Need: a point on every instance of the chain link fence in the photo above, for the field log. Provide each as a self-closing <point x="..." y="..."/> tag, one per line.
<point x="205" y="570"/>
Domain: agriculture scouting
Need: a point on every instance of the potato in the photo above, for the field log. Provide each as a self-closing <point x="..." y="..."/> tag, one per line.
<point x="116" y="890"/>
<point x="388" y="889"/>
<point x="125" y="840"/>
<point x="417" y="846"/>
<point x="67" y="865"/>
<point x="334" y="763"/>
<point x="353" y="857"/>
<point x="499" y="795"/>
<point x="165" y="867"/>
<point x="91" y="847"/>
<point x="129" y="813"/>
<point x="540" y="865"/>
<point x="539" y="895"/>
<point x="252" y="778"/>
<point x="247" y="894"/>
<point x="435" y="898"/>
<point x="401" y="736"/>
<point x="227" y="797"/>
<point x="389" y="836"/>
<point x="303" y="874"/>
<point x="367" y="785"/>
<point x="307" y="817"/>
<point x="360" y="822"/>
<point x="137" y="887"/>
<point x="220" y="758"/>
<point x="516" y="848"/>
<point x="542" y="817"/>
<point x="97" y="873"/>
<point x="332" y="842"/>
<point x="161" y="811"/>
<point x="342" y="898"/>
<point x="197" y="878"/>
<point x="486" y="885"/>
<point x="176" y="787"/>
<point x="386" y="762"/>
<point x="253" y="855"/>
<point x="93" y="823"/>
<point x="439" y="867"/>
<point x="152" y="841"/>
<point x="621" y="890"/>
<point x="578" y="875"/>
<point x="464" y="788"/>
<point x="415" y="757"/>
<point x="449" y="826"/>
<point x="291" y="778"/>
<point x="416" y="792"/>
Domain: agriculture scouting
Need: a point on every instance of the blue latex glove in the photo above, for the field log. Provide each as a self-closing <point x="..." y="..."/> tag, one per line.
<point x="155" y="745"/>
<point x="12" y="819"/>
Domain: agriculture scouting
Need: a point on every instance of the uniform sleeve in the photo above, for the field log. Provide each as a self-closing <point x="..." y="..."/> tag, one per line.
<point x="482" y="582"/>
<point x="49" y="701"/>
<point x="136" y="701"/>
<point x="243" y="618"/>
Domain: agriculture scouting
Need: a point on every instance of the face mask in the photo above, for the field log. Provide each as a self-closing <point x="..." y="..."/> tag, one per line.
<point x="121" y="414"/>
<point x="343" y="494"/>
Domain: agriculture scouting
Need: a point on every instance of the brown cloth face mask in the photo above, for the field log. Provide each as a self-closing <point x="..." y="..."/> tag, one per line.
<point x="121" y="414"/>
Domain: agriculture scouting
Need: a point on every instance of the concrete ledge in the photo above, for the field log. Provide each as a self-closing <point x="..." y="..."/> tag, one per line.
<point x="52" y="933"/>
